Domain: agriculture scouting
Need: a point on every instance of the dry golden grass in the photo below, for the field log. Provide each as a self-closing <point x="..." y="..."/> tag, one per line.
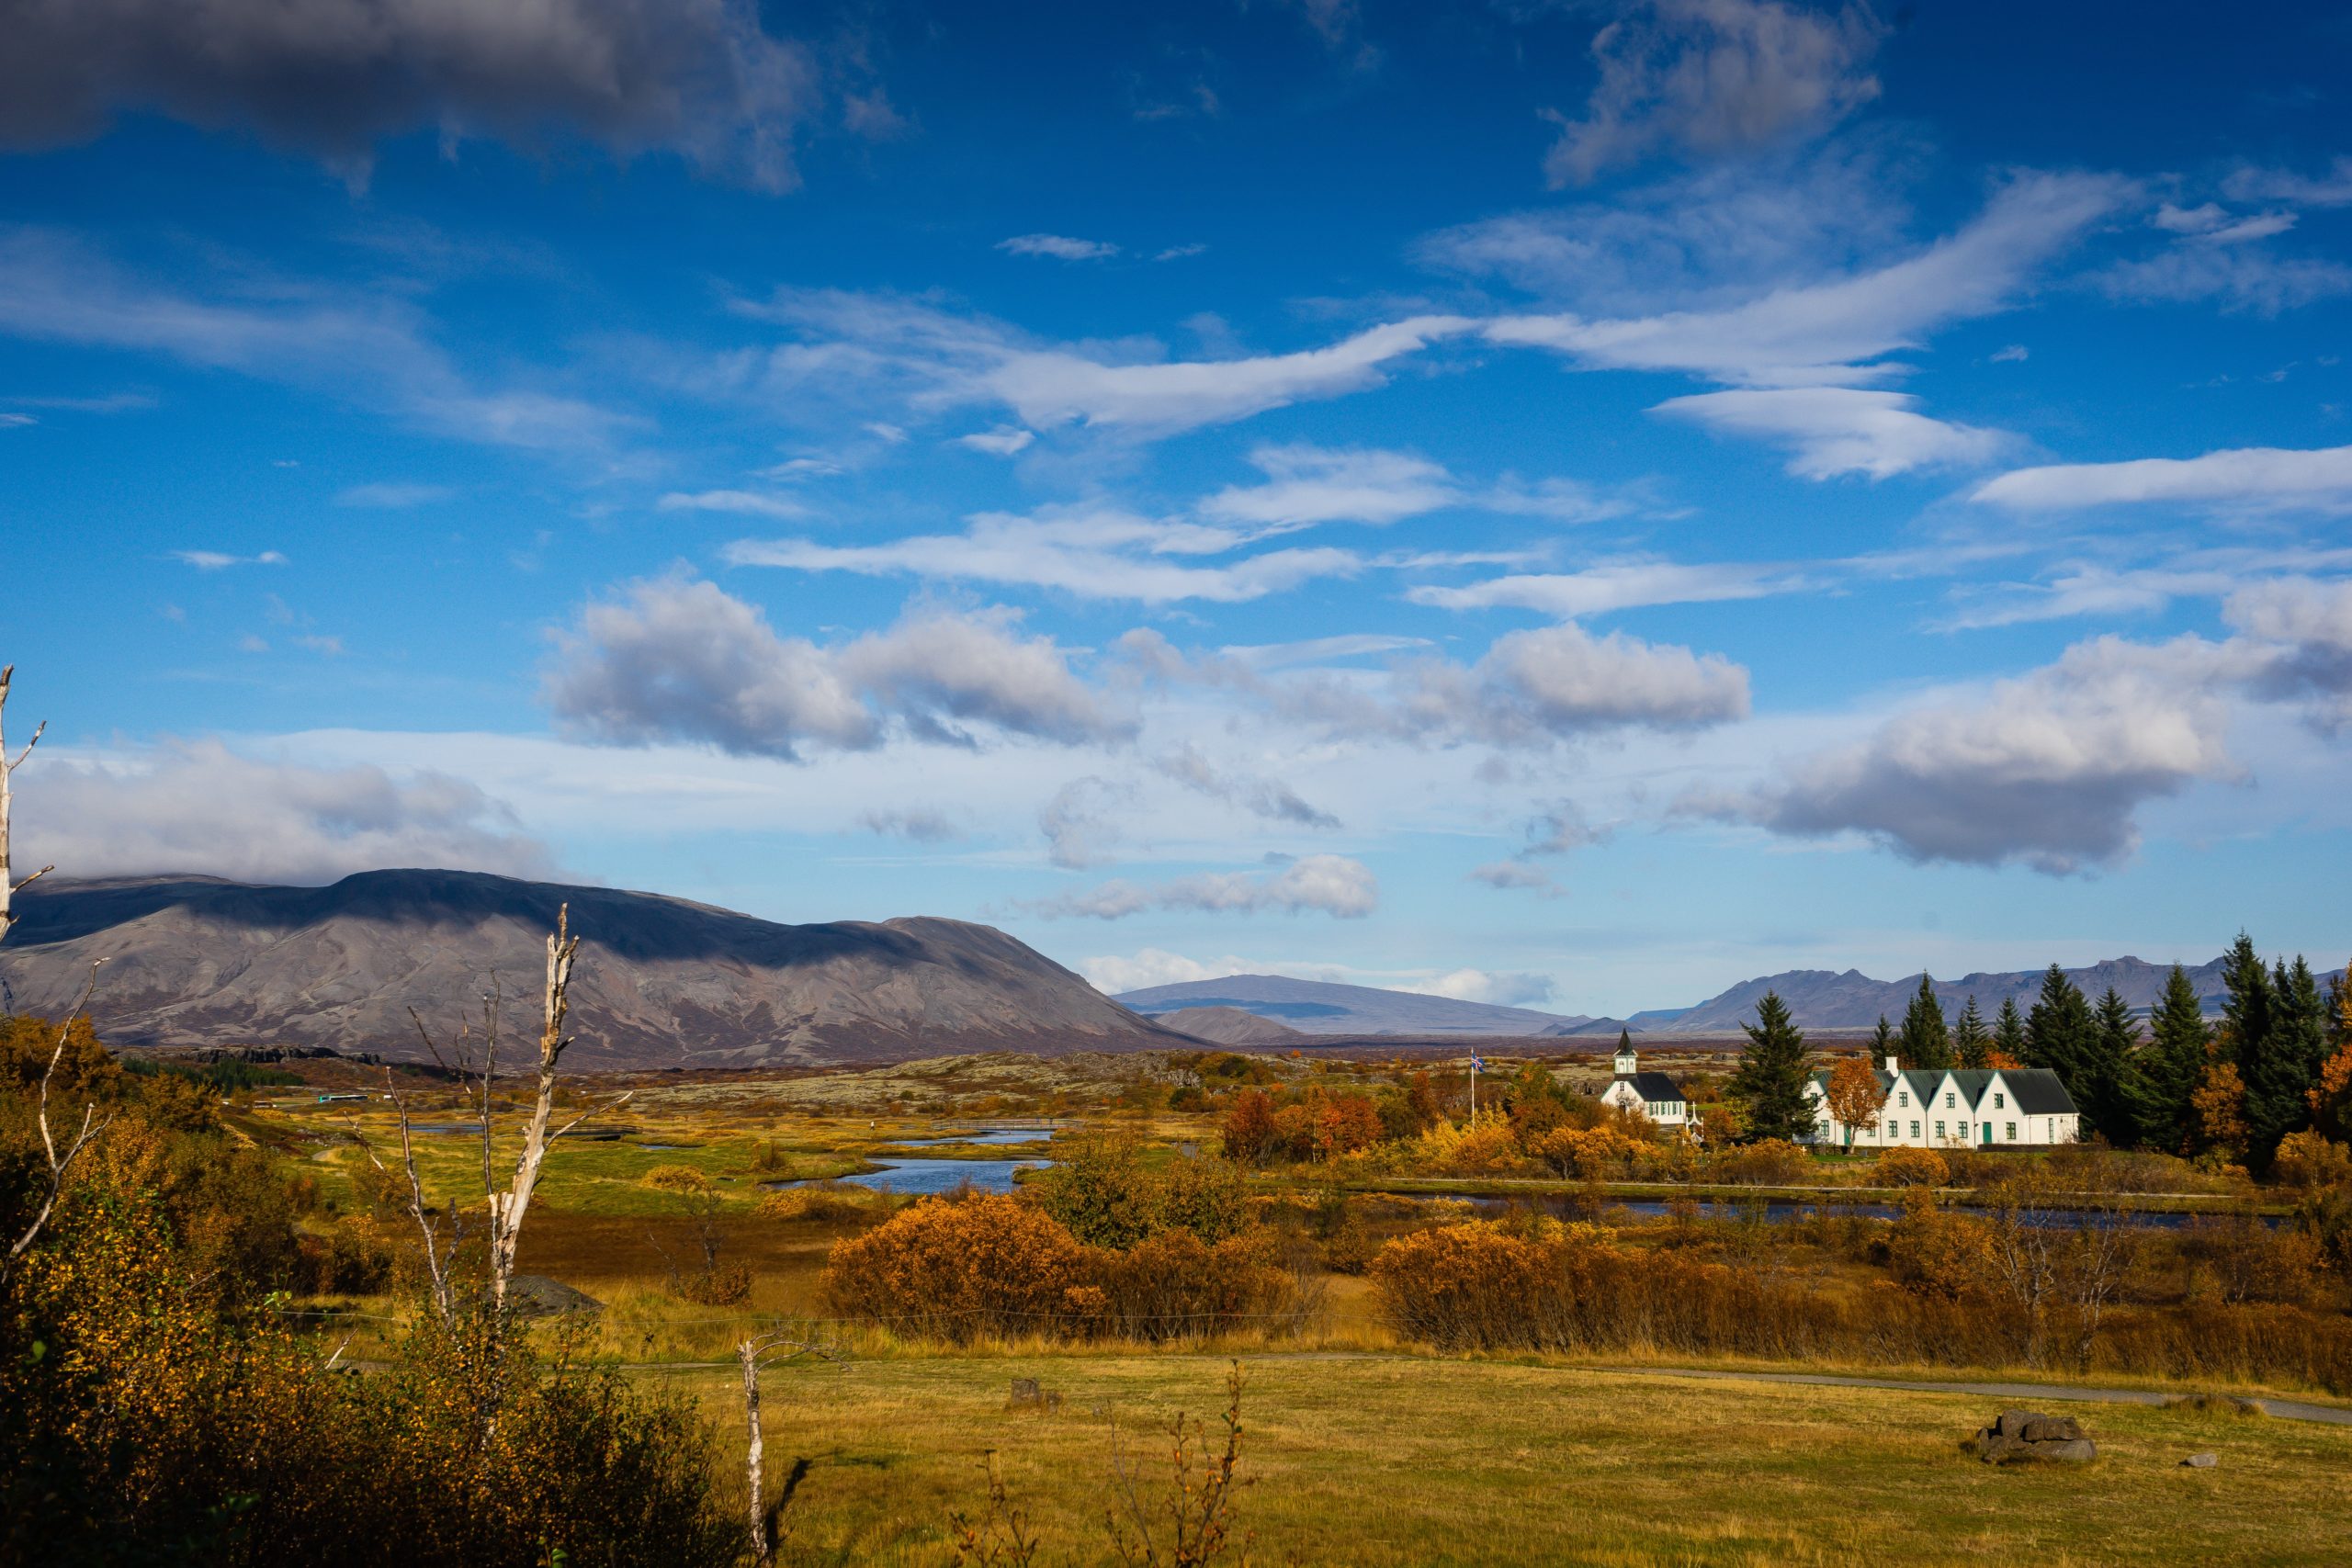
<point x="1378" y="1460"/>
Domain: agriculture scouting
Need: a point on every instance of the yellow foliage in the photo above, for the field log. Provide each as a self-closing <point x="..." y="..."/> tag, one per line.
<point x="1913" y="1168"/>
<point x="681" y="1178"/>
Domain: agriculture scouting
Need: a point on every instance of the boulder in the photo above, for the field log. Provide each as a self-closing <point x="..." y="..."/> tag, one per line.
<point x="535" y="1295"/>
<point x="2027" y="1436"/>
<point x="2200" y="1461"/>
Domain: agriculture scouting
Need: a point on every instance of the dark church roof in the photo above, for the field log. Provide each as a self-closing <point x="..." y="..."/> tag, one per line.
<point x="1655" y="1089"/>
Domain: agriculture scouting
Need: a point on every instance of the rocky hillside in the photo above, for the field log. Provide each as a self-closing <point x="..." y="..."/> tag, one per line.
<point x="661" y="982"/>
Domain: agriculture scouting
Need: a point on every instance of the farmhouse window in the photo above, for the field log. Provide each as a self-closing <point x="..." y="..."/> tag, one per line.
<point x="2000" y="1103"/>
<point x="1948" y="1102"/>
<point x="1904" y="1101"/>
<point x="2010" y="1131"/>
<point x="1892" y="1131"/>
<point x="1939" y="1129"/>
<point x="1914" y="1129"/>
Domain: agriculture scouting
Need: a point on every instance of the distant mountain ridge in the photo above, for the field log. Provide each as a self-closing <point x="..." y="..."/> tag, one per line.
<point x="1317" y="1007"/>
<point x="1817" y="999"/>
<point x="662" y="981"/>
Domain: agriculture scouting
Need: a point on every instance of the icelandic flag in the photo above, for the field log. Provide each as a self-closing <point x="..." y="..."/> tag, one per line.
<point x="1476" y="1065"/>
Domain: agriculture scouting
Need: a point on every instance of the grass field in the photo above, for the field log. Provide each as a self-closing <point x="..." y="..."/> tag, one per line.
<point x="1360" y="1459"/>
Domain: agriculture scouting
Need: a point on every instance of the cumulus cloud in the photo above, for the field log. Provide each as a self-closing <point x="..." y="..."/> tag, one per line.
<point x="1708" y="77"/>
<point x="2048" y="769"/>
<point x="2308" y="626"/>
<point x="1260" y="795"/>
<point x="680" y="661"/>
<point x="1331" y="884"/>
<point x="199" y="807"/>
<point x="700" y="78"/>
<point x="1061" y="247"/>
<point x="1560" y="682"/>
<point x="2249" y="479"/>
<point x="1507" y="988"/>
<point x="1116" y="974"/>
<point x="1512" y="874"/>
<point x="1842" y="430"/>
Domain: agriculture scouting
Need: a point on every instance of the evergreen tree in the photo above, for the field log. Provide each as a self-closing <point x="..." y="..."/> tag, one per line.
<point x="1926" y="1043"/>
<point x="1971" y="1044"/>
<point x="2058" y="1034"/>
<point x="1882" y="1044"/>
<point x="2115" y="1040"/>
<point x="1770" y="1083"/>
<point x="2247" y="1005"/>
<point x="2278" y="1082"/>
<point x="2008" y="1032"/>
<point x="2168" y="1071"/>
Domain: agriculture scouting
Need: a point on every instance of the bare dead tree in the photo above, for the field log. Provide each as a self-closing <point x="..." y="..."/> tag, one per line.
<point x="9" y="887"/>
<point x="90" y="1127"/>
<point x="438" y="1262"/>
<point x="774" y="1348"/>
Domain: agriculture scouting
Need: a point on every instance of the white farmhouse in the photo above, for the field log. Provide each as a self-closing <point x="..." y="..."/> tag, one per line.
<point x="1655" y="1095"/>
<point x="1953" y="1109"/>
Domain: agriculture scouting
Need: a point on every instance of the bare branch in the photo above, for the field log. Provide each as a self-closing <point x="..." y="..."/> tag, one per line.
<point x="508" y="1209"/>
<point x="91" y="1126"/>
<point x="613" y="1104"/>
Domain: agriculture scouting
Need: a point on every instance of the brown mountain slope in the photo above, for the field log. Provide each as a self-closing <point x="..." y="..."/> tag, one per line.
<point x="1230" y="1026"/>
<point x="661" y="982"/>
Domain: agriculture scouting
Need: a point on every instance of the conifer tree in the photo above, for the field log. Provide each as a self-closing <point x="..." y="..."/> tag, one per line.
<point x="1882" y="1044"/>
<point x="1971" y="1044"/>
<point x="2167" y="1074"/>
<point x="2278" y="1082"/>
<point x="2248" y="1004"/>
<point x="1926" y="1043"/>
<point x="1770" y="1083"/>
<point x="2115" y="1041"/>
<point x="2058" y="1034"/>
<point x="2008" y="1032"/>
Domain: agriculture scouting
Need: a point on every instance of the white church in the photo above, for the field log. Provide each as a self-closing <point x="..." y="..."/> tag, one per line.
<point x="1954" y="1107"/>
<point x="1655" y="1095"/>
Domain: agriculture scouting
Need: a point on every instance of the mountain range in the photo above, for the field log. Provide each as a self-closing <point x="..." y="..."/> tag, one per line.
<point x="1315" y="1007"/>
<point x="661" y="981"/>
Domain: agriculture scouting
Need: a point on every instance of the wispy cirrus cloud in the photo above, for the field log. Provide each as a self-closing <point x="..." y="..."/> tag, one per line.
<point x="1620" y="585"/>
<point x="2248" y="478"/>
<point x="1060" y="247"/>
<point x="1843" y="430"/>
<point x="221" y="560"/>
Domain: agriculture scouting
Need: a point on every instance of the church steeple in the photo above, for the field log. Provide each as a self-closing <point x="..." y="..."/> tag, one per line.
<point x="1624" y="1054"/>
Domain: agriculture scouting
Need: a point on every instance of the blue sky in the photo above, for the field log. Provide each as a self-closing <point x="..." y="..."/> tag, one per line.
<point x="1567" y="504"/>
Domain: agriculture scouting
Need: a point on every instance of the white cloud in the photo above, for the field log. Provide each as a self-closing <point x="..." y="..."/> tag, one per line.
<point x="1617" y="585"/>
<point x="1261" y="796"/>
<point x="1532" y="687"/>
<point x="1331" y="884"/>
<point x="700" y="78"/>
<point x="2333" y="188"/>
<point x="1842" y="430"/>
<point x="1004" y="441"/>
<point x="676" y="659"/>
<point x="1708" y="77"/>
<point x="2242" y="278"/>
<point x="217" y="560"/>
<point x="371" y="348"/>
<point x="1835" y="332"/>
<point x="1061" y="247"/>
<point x="199" y="807"/>
<point x="2048" y="769"/>
<point x="2309" y="627"/>
<point x="919" y="825"/>
<point x="738" y="502"/>
<point x="1114" y="974"/>
<point x="914" y="355"/>
<point x="2253" y="478"/>
<point x="1093" y="552"/>
<point x="1499" y="989"/>
<point x="1307" y="485"/>
<point x="1081" y="821"/>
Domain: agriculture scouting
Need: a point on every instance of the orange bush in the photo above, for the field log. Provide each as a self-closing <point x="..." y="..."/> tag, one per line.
<point x="1913" y="1168"/>
<point x="956" y="1271"/>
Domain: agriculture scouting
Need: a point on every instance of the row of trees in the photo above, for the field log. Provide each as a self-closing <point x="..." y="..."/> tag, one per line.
<point x="2278" y="1062"/>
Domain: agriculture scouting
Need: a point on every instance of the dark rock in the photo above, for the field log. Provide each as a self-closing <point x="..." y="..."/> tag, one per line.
<point x="2200" y="1461"/>
<point x="2066" y="1451"/>
<point x="2050" y="1428"/>
<point x="2012" y="1423"/>
<point x="535" y="1295"/>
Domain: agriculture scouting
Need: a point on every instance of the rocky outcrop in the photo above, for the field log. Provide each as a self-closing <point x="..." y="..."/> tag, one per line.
<point x="2027" y="1436"/>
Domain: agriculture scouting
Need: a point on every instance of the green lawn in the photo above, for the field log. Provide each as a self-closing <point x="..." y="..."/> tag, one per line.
<point x="1380" y="1459"/>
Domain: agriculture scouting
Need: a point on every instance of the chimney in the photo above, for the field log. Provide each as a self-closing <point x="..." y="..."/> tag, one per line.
<point x="1894" y="1064"/>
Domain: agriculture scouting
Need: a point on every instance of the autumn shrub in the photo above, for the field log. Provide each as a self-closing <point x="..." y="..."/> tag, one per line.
<point x="2307" y="1160"/>
<point x="676" y="1178"/>
<point x="1912" y="1168"/>
<point x="1176" y="1286"/>
<point x="823" y="1202"/>
<point x="2246" y="1260"/>
<point x="991" y="1265"/>
<point x="1935" y="1253"/>
<point x="1768" y="1162"/>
